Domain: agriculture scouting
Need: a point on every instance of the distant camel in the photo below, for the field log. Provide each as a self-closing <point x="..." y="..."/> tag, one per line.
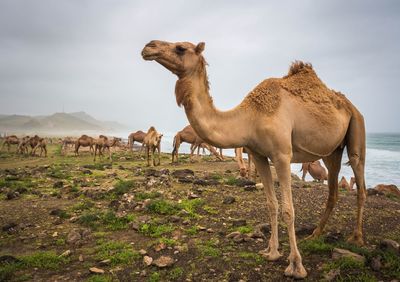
<point x="188" y="135"/>
<point x="316" y="170"/>
<point x="41" y="143"/>
<point x="137" y="136"/>
<point x="23" y="145"/>
<point x="344" y="184"/>
<point x="244" y="171"/>
<point x="67" y="141"/>
<point x="33" y="142"/>
<point x="10" y="140"/>
<point x="84" y="141"/>
<point x="152" y="141"/>
<point x="103" y="143"/>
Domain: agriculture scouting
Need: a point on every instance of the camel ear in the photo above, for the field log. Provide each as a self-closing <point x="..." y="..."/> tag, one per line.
<point x="200" y="47"/>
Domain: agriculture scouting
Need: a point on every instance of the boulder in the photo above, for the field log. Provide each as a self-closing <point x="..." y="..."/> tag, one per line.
<point x="164" y="261"/>
<point x="390" y="245"/>
<point x="388" y="189"/>
<point x="341" y="253"/>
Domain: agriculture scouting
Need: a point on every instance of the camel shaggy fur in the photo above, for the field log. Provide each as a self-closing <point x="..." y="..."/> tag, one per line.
<point x="295" y="119"/>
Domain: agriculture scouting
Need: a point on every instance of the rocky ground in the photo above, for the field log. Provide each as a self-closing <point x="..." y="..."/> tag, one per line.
<point x="66" y="218"/>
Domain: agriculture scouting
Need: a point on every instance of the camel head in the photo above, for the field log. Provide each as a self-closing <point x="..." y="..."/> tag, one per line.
<point x="181" y="58"/>
<point x="157" y="140"/>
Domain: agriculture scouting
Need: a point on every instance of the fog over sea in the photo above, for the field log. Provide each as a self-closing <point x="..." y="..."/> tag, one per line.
<point x="382" y="161"/>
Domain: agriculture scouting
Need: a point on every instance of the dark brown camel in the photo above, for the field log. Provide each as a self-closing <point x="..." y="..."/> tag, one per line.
<point x="10" y="140"/>
<point x="137" y="136"/>
<point x="84" y="141"/>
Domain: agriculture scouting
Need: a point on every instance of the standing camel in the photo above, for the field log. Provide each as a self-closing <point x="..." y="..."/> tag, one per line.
<point x="23" y="145"/>
<point x="84" y="141"/>
<point x="10" y="140"/>
<point x="152" y="142"/>
<point x="291" y="119"/>
<point x="315" y="169"/>
<point x="40" y="143"/>
<point x="103" y="143"/>
<point x="137" y="136"/>
<point x="67" y="141"/>
<point x="188" y="135"/>
<point x="244" y="171"/>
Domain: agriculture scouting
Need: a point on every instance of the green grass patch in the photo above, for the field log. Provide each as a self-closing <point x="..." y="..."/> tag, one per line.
<point x="167" y="241"/>
<point x="209" y="249"/>
<point x="231" y="180"/>
<point x="99" y="278"/>
<point x="83" y="205"/>
<point x="210" y="210"/>
<point x="154" y="277"/>
<point x="143" y="195"/>
<point x="315" y="246"/>
<point x="253" y="257"/>
<point x="107" y="220"/>
<point x="155" y="230"/>
<point x="123" y="186"/>
<point x="175" y="273"/>
<point x="192" y="206"/>
<point x="344" y="263"/>
<point x="44" y="260"/>
<point x="120" y="253"/>
<point x="193" y="230"/>
<point x="163" y="207"/>
<point x="245" y="229"/>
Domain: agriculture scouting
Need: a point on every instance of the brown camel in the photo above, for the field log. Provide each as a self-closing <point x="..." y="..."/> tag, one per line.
<point x="23" y="145"/>
<point x="316" y="170"/>
<point x="40" y="143"/>
<point x="67" y="141"/>
<point x="84" y="141"/>
<point x="10" y="140"/>
<point x="291" y="119"/>
<point x="245" y="171"/>
<point x="103" y="143"/>
<point x="152" y="142"/>
<point x="137" y="136"/>
<point x="188" y="135"/>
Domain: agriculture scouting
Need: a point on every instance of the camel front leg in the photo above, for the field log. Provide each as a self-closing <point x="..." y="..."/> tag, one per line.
<point x="282" y="166"/>
<point x="148" y="155"/>
<point x="262" y="164"/>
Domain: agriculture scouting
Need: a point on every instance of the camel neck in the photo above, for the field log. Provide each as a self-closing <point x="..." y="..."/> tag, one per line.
<point x="224" y="129"/>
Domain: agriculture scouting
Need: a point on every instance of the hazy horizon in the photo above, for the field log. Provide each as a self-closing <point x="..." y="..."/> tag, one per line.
<point x="71" y="56"/>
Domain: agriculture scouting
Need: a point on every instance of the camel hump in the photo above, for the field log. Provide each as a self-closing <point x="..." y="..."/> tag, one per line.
<point x="151" y="129"/>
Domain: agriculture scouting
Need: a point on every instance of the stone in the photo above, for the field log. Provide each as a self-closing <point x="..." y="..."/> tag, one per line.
<point x="12" y="195"/>
<point x="376" y="263"/>
<point x="160" y="247"/>
<point x="67" y="253"/>
<point x="9" y="227"/>
<point x="164" y="261"/>
<point x="233" y="234"/>
<point x="183" y="173"/>
<point x="390" y="245"/>
<point x="242" y="182"/>
<point x="306" y="229"/>
<point x="192" y="196"/>
<point x="142" y="252"/>
<point x="80" y="258"/>
<point x="87" y="171"/>
<point x="152" y="172"/>
<point x="105" y="262"/>
<point x="147" y="260"/>
<point x="134" y="225"/>
<point x="250" y="188"/>
<point x="96" y="270"/>
<point x="229" y="200"/>
<point x="340" y="253"/>
<point x="73" y="236"/>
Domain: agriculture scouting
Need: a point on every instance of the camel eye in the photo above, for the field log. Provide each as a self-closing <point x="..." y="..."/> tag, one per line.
<point x="180" y="49"/>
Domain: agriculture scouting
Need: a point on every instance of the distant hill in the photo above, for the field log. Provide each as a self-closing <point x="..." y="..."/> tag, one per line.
<point x="57" y="123"/>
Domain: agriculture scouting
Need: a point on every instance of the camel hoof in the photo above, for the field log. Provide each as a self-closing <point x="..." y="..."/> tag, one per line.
<point x="296" y="271"/>
<point x="356" y="240"/>
<point x="270" y="255"/>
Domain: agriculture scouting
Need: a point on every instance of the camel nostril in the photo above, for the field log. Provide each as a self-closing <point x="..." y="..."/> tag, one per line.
<point x="151" y="44"/>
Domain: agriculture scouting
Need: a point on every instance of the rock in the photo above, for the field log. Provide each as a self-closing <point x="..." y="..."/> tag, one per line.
<point x="134" y="225"/>
<point x="105" y="262"/>
<point x="73" y="236"/>
<point x="390" y="245"/>
<point x="183" y="173"/>
<point x="239" y="238"/>
<point x="81" y="258"/>
<point x="250" y="188"/>
<point x="9" y="227"/>
<point x="12" y="195"/>
<point x="259" y="185"/>
<point x="175" y="218"/>
<point x="306" y="229"/>
<point x="7" y="259"/>
<point x="152" y="172"/>
<point x="233" y="234"/>
<point x="67" y="253"/>
<point x="340" y="253"/>
<point x="388" y="189"/>
<point x="264" y="228"/>
<point x="21" y="190"/>
<point x="58" y="184"/>
<point x="96" y="270"/>
<point x="376" y="263"/>
<point x="242" y="182"/>
<point x="147" y="260"/>
<point x="229" y="200"/>
<point x="55" y="234"/>
<point x="142" y="252"/>
<point x="239" y="222"/>
<point x="87" y="171"/>
<point x="185" y="180"/>
<point x="164" y="261"/>
<point x="160" y="247"/>
<point x="373" y="192"/>
<point x="192" y="196"/>
<point x="256" y="234"/>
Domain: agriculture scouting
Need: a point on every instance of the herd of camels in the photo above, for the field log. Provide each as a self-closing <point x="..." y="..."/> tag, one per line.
<point x="293" y="119"/>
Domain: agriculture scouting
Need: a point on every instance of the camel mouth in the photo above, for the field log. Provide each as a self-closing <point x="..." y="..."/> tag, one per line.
<point x="148" y="54"/>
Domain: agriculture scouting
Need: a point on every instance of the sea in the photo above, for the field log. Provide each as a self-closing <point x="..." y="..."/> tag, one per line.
<point x="382" y="160"/>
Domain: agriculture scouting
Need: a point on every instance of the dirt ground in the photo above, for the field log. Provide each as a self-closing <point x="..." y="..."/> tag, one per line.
<point x="62" y="216"/>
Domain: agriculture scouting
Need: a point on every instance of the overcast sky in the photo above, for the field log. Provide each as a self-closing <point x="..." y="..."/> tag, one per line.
<point x="84" y="55"/>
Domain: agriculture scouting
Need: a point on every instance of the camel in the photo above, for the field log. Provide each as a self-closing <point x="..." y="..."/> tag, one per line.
<point x="152" y="142"/>
<point x="23" y="145"/>
<point x="344" y="184"/>
<point x="316" y="170"/>
<point x="40" y="143"/>
<point x="10" y="140"/>
<point x="67" y="141"/>
<point x="137" y="136"/>
<point x="245" y="171"/>
<point x="295" y="119"/>
<point x="84" y="141"/>
<point x="103" y="143"/>
<point x="188" y="135"/>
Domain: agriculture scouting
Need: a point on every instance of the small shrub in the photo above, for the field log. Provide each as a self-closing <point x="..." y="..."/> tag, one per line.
<point x="245" y="229"/>
<point x="120" y="253"/>
<point x="44" y="260"/>
<point x="123" y="186"/>
<point x="316" y="246"/>
<point x="155" y="277"/>
<point x="144" y="195"/>
<point x="175" y="273"/>
<point x="163" y="207"/>
<point x="155" y="230"/>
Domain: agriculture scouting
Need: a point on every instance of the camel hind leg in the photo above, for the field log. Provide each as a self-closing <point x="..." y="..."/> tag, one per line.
<point x="356" y="150"/>
<point x="333" y="163"/>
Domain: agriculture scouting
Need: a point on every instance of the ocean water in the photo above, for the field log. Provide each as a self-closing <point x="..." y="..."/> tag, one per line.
<point x="382" y="160"/>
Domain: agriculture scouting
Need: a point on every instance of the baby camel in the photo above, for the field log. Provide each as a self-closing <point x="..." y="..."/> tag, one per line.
<point x="295" y="119"/>
<point x="152" y="142"/>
